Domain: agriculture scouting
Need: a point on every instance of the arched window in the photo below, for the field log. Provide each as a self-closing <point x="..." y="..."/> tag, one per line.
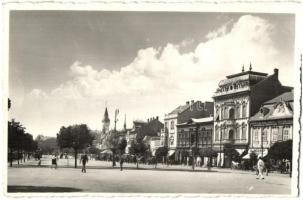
<point x="217" y="113"/>
<point x="217" y="132"/>
<point x="231" y="113"/>
<point x="238" y="111"/>
<point x="238" y="132"/>
<point x="225" y="113"/>
<point x="244" y="110"/>
<point x="244" y="128"/>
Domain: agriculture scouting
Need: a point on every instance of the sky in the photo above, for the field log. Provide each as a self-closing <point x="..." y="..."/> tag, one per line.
<point x="65" y="67"/>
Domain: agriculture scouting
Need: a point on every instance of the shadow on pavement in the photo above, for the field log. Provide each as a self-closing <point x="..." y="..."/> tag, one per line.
<point x="16" y="188"/>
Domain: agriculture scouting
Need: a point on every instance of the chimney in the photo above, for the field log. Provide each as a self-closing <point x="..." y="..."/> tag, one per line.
<point x="276" y="72"/>
<point x="147" y="120"/>
<point x="157" y="117"/>
<point x="187" y="103"/>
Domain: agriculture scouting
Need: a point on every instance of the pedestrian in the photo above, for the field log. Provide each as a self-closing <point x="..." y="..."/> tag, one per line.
<point x="287" y="167"/>
<point x="39" y="162"/>
<point x="121" y="163"/>
<point x="260" y="166"/>
<point x="54" y="161"/>
<point x="199" y="161"/>
<point x="84" y="160"/>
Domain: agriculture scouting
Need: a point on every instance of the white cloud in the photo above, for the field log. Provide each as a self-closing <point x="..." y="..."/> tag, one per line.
<point x="37" y="93"/>
<point x="159" y="79"/>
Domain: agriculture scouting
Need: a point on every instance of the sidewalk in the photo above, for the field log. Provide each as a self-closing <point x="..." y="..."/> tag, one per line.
<point x="97" y="164"/>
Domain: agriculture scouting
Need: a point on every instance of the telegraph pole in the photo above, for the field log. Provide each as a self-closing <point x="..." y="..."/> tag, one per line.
<point x="116" y="115"/>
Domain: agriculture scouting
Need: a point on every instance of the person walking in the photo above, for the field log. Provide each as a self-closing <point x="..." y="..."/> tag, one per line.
<point x="260" y="166"/>
<point x="121" y="163"/>
<point x="54" y="161"/>
<point x="84" y="160"/>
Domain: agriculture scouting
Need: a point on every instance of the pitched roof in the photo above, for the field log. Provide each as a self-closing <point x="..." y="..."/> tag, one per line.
<point x="269" y="109"/>
<point x="286" y="96"/>
<point x="179" y="109"/>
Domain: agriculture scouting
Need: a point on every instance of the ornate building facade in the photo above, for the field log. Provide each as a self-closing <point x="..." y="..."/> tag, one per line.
<point x="239" y="97"/>
<point x="272" y="123"/>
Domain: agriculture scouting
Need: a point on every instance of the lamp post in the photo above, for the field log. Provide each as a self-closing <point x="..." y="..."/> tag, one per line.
<point x="220" y="161"/>
<point x="262" y="135"/>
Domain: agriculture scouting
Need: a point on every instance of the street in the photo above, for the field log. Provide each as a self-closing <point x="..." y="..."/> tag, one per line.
<point x="172" y="179"/>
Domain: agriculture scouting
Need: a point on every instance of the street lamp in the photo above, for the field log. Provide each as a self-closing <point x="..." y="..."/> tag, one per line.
<point x="262" y="135"/>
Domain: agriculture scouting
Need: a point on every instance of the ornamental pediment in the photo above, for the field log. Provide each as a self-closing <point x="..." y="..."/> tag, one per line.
<point x="282" y="109"/>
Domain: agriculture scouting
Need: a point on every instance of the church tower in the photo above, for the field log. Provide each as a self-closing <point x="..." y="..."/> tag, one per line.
<point x="105" y="122"/>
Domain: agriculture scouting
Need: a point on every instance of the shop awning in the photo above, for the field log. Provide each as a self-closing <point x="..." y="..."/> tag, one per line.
<point x="240" y="151"/>
<point x="247" y="156"/>
<point x="171" y="152"/>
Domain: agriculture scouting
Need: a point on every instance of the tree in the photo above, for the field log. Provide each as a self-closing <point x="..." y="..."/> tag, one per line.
<point x="19" y="140"/>
<point x="160" y="153"/>
<point x="138" y="149"/>
<point x="281" y="151"/>
<point x="122" y="145"/>
<point x="112" y="142"/>
<point x="77" y="137"/>
<point x="47" y="145"/>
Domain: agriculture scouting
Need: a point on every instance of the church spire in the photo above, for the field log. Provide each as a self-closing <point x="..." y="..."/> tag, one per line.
<point x="250" y="67"/>
<point x="105" y="118"/>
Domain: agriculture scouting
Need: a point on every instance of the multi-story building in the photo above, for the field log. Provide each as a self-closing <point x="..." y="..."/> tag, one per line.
<point x="272" y="123"/>
<point x="195" y="133"/>
<point x="239" y="97"/>
<point x="183" y="113"/>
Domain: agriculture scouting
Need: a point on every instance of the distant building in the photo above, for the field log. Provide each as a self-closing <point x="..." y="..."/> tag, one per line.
<point x="141" y="129"/>
<point x="272" y="123"/>
<point x="194" y="133"/>
<point x="238" y="98"/>
<point x="105" y="122"/>
<point x="183" y="113"/>
<point x="153" y="143"/>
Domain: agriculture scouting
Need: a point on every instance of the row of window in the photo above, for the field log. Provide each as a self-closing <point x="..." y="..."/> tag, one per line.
<point x="189" y="138"/>
<point x="235" y="86"/>
<point x="263" y="135"/>
<point x="231" y="112"/>
<point x="227" y="134"/>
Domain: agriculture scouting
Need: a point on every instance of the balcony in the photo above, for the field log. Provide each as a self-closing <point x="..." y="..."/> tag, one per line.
<point x="230" y="122"/>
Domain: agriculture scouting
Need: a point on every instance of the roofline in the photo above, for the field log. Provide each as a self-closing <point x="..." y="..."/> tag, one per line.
<point x="247" y="72"/>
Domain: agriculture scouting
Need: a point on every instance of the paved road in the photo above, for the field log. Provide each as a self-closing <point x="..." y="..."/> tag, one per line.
<point x="144" y="181"/>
